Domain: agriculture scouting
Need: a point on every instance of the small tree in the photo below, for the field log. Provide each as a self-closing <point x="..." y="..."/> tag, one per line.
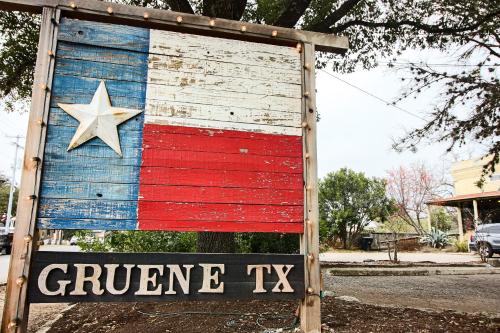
<point x="440" y="219"/>
<point x="410" y="188"/>
<point x="348" y="201"/>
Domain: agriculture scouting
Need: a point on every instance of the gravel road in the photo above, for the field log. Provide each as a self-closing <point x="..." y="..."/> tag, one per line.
<point x="464" y="293"/>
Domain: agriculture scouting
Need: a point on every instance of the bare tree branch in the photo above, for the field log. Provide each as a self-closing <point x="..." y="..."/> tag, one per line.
<point x="337" y="15"/>
<point x="429" y="28"/>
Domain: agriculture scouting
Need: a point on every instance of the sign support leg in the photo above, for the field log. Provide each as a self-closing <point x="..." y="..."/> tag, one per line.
<point x="16" y="308"/>
<point x="310" y="309"/>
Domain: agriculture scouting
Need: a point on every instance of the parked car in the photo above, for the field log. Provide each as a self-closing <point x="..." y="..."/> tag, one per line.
<point x="486" y="239"/>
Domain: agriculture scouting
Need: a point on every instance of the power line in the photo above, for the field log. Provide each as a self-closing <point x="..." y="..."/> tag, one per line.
<point x="374" y="96"/>
<point x="436" y="65"/>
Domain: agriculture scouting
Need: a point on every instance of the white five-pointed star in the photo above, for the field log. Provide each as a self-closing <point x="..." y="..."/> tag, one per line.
<point x="99" y="119"/>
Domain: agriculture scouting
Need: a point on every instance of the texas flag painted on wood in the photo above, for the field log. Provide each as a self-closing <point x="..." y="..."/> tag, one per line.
<point x="159" y="130"/>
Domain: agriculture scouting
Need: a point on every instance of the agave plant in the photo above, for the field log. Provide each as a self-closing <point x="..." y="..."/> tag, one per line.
<point x="436" y="238"/>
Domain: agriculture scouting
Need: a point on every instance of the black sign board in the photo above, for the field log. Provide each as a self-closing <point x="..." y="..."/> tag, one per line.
<point x="123" y="277"/>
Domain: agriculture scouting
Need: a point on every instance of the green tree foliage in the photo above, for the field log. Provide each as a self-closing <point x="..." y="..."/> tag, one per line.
<point x="138" y="241"/>
<point x="440" y="219"/>
<point x="348" y="201"/>
<point x="4" y="196"/>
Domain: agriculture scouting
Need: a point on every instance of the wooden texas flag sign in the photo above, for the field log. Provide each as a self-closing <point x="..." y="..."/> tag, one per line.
<point x="212" y="140"/>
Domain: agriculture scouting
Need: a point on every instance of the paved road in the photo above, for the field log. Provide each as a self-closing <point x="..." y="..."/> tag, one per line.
<point x="464" y="293"/>
<point x="438" y="257"/>
<point x="5" y="260"/>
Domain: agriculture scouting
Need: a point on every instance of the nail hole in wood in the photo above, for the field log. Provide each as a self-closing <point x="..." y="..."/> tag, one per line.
<point x="99" y="195"/>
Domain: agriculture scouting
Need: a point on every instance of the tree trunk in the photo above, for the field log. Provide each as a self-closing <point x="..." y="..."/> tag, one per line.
<point x="216" y="242"/>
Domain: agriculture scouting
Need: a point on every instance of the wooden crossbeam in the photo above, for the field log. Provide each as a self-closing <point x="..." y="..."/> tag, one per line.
<point x="101" y="11"/>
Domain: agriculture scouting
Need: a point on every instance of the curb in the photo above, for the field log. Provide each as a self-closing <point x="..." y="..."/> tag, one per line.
<point x="411" y="271"/>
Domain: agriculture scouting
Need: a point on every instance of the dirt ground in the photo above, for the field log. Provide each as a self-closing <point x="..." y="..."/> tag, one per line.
<point x="40" y="314"/>
<point x="393" y="301"/>
<point x="338" y="316"/>
<point x="464" y="293"/>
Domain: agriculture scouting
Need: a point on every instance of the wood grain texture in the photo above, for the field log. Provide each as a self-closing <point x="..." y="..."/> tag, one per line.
<point x="223" y="50"/>
<point x="310" y="308"/>
<point x="238" y="284"/>
<point x="189" y="102"/>
<point x="195" y="194"/>
<point x="220" y="178"/>
<point x="16" y="305"/>
<point x="92" y="182"/>
<point x="182" y="182"/>
<point x="217" y="226"/>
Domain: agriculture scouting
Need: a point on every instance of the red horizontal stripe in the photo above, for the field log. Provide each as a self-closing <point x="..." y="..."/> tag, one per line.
<point x="221" y="195"/>
<point x="279" y="146"/>
<point x="220" y="178"/>
<point x="156" y="129"/>
<point x="296" y="228"/>
<point x="220" y="161"/>
<point x="218" y="212"/>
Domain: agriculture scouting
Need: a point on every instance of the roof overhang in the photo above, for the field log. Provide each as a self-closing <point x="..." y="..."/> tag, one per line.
<point x="460" y="200"/>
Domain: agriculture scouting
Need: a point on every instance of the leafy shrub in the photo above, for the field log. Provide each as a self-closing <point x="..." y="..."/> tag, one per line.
<point x="138" y="241"/>
<point x="436" y="238"/>
<point x="461" y="246"/>
<point x="267" y="243"/>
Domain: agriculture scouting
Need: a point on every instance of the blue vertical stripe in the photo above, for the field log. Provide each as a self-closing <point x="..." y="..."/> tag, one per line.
<point x="92" y="187"/>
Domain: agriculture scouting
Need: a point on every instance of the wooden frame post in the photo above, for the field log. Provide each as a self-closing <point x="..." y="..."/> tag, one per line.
<point x="310" y="308"/>
<point x="16" y="309"/>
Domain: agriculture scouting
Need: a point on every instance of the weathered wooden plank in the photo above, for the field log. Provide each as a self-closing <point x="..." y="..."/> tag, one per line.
<point x="101" y="154"/>
<point x="235" y="280"/>
<point x="220" y="178"/>
<point x="87" y="209"/>
<point x="223" y="125"/>
<point x="223" y="50"/>
<point x="215" y="133"/>
<point x="219" y="195"/>
<point x="75" y="51"/>
<point x="67" y="88"/>
<point x="86" y="224"/>
<point x="16" y="306"/>
<point x="91" y="171"/>
<point x="310" y="308"/>
<point x="179" y="138"/>
<point x="194" y="99"/>
<point x="156" y="109"/>
<point x="60" y="119"/>
<point x="217" y="82"/>
<point x="104" y="35"/>
<point x="60" y="136"/>
<point x="99" y="70"/>
<point x="161" y="211"/>
<point x="221" y="161"/>
<point x="89" y="191"/>
<point x="159" y="63"/>
<point x="216" y="226"/>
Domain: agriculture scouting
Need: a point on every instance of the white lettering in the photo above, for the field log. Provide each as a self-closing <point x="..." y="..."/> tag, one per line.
<point x="146" y="279"/>
<point x="110" y="278"/>
<point x="183" y="280"/>
<point x="283" y="281"/>
<point x="208" y="277"/>
<point x="42" y="280"/>
<point x="259" y="276"/>
<point x="81" y="278"/>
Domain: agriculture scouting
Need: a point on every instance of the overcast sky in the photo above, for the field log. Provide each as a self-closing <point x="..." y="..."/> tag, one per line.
<point x="355" y="130"/>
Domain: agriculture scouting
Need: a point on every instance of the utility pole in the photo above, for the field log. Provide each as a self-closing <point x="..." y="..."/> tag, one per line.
<point x="12" y="185"/>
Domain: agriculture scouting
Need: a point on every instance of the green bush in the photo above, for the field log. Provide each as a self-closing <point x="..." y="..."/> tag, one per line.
<point x="156" y="241"/>
<point x="436" y="238"/>
<point x="461" y="246"/>
<point x="138" y="241"/>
